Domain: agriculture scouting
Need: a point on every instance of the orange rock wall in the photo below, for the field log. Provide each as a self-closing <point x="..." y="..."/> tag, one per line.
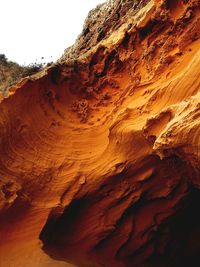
<point x="100" y="154"/>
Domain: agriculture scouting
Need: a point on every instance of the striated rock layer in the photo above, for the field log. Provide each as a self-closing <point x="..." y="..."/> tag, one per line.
<point x="100" y="157"/>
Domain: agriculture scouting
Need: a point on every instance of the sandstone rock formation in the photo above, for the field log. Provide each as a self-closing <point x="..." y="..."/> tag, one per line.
<point x="100" y="153"/>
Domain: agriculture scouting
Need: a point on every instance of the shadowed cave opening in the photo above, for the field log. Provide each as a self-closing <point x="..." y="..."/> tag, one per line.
<point x="176" y="241"/>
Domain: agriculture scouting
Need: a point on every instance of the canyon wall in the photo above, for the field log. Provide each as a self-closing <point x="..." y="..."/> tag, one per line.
<point x="100" y="153"/>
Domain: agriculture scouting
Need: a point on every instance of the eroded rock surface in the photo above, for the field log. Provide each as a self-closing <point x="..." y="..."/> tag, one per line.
<point x="100" y="153"/>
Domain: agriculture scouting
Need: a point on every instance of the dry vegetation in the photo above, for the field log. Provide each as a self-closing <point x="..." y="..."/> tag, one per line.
<point x="11" y="72"/>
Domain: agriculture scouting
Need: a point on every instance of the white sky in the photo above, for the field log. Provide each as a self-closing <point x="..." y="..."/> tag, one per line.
<point x="31" y="29"/>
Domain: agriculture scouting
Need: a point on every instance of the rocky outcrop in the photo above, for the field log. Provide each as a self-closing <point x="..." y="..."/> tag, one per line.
<point x="100" y="158"/>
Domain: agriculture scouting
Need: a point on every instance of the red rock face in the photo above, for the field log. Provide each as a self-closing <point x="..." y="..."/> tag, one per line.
<point x="100" y="153"/>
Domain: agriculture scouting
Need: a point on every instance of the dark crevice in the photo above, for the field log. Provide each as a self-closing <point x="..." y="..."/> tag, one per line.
<point x="148" y="29"/>
<point x="177" y="242"/>
<point x="125" y="41"/>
